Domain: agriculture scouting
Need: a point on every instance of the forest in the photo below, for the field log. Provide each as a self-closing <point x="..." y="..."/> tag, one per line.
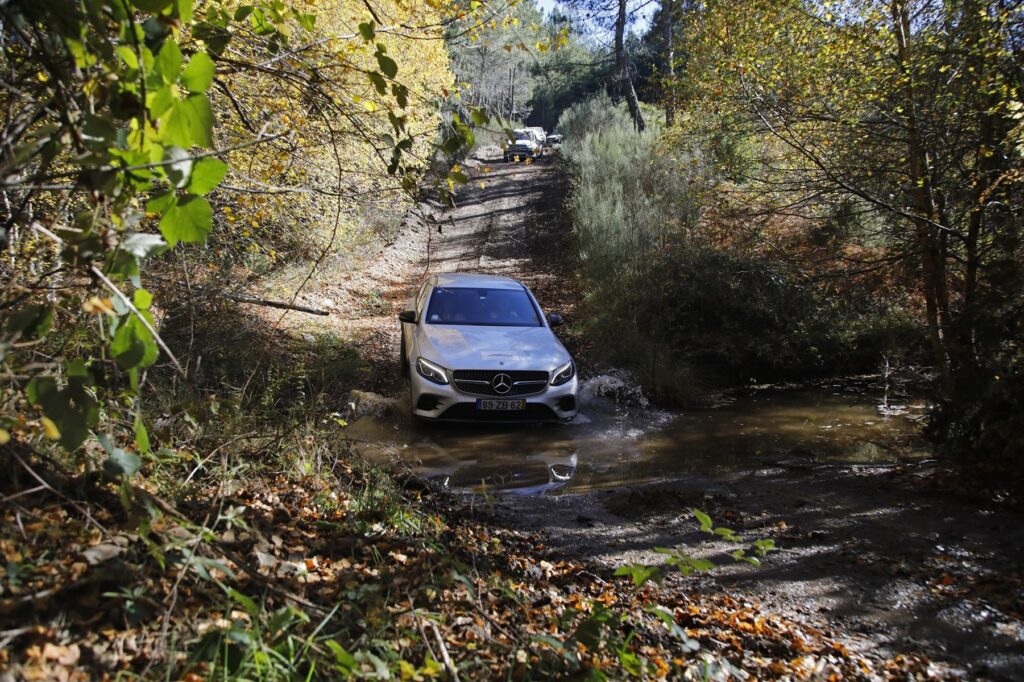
<point x="214" y="209"/>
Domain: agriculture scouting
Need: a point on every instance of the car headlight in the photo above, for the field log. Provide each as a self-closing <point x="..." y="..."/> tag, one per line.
<point x="431" y="372"/>
<point x="563" y="374"/>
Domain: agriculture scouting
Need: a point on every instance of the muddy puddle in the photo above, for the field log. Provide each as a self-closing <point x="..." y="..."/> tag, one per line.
<point x="618" y="440"/>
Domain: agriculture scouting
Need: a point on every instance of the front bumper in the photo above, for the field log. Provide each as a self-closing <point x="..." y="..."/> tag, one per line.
<point x="447" y="403"/>
<point x="522" y="153"/>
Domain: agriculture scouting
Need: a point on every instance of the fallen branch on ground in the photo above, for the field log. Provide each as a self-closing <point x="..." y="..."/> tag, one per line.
<point x="279" y="304"/>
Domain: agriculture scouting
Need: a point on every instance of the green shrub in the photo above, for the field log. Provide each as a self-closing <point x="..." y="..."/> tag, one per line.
<point x="679" y="308"/>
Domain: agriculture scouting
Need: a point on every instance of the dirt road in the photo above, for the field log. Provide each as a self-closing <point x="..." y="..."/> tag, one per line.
<point x="506" y="221"/>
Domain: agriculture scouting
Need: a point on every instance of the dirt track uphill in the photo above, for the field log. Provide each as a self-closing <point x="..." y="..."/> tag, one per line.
<point x="506" y="221"/>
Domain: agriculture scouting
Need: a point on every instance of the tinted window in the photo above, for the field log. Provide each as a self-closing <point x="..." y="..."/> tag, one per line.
<point x="499" y="307"/>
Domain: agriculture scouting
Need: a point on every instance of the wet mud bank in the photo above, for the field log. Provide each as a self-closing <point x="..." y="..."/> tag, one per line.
<point x="897" y="558"/>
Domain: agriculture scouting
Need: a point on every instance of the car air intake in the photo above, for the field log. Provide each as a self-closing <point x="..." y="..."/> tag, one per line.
<point x="427" y="402"/>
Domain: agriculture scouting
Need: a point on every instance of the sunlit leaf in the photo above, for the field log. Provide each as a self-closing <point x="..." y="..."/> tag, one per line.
<point x="189" y="220"/>
<point x="198" y="74"/>
<point x="206" y="175"/>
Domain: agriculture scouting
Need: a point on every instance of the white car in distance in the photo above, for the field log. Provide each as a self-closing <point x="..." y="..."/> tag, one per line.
<point x="525" y="145"/>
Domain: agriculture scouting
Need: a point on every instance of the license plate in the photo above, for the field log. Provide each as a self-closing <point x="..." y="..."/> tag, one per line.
<point x="488" y="404"/>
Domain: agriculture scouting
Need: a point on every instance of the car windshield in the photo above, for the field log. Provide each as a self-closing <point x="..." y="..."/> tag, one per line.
<point x="473" y="306"/>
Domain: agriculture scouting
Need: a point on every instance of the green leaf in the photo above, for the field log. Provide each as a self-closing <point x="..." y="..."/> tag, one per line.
<point x="122" y="463"/>
<point x="177" y="165"/>
<point x="168" y="62"/>
<point x="306" y="21"/>
<point x="702" y="565"/>
<point x="152" y="6"/>
<point x="452" y="145"/>
<point x="159" y="101"/>
<point x="39" y="388"/>
<point x="630" y="662"/>
<point x="480" y="117"/>
<point x="189" y="122"/>
<point x="638" y="573"/>
<point x="98" y="133"/>
<point x="184" y="8"/>
<point x="344" y="659"/>
<point x="190" y="220"/>
<point x="142" y="245"/>
<point x="127" y="349"/>
<point x="206" y="175"/>
<point x="703" y="519"/>
<point x="387" y="65"/>
<point x="142" y="299"/>
<point x="367" y="30"/>
<point x="160" y="203"/>
<point x="245" y="602"/>
<point x="726" y="533"/>
<point x="32" y="321"/>
<point x="673" y="627"/>
<point x="242" y="13"/>
<point x="460" y="178"/>
<point x="552" y="642"/>
<point x="215" y="37"/>
<point x="198" y="75"/>
<point x="141" y="434"/>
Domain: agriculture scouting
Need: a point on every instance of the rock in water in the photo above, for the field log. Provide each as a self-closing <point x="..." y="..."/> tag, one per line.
<point x="369" y="404"/>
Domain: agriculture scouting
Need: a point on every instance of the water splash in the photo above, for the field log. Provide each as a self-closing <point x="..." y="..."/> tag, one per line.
<point x="618" y="385"/>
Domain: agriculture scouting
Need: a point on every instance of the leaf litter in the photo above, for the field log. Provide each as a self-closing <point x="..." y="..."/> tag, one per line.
<point x="377" y="579"/>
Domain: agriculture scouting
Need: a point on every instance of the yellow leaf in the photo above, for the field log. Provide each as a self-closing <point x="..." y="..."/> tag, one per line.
<point x="486" y="169"/>
<point x="5" y="437"/>
<point x="97" y="305"/>
<point x="49" y="428"/>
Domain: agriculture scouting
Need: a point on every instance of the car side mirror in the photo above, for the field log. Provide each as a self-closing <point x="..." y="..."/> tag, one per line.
<point x="407" y="316"/>
<point x="554" y="319"/>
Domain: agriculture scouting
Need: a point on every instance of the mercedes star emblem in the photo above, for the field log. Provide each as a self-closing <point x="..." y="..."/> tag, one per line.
<point x="501" y="383"/>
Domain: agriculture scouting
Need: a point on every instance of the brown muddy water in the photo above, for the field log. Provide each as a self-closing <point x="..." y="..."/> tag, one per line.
<point x="618" y="439"/>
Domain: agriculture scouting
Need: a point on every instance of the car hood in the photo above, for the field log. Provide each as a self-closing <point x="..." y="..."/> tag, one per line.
<point x="480" y="347"/>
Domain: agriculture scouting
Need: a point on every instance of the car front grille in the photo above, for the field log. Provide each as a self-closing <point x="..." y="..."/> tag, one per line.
<point x="481" y="382"/>
<point x="522" y="150"/>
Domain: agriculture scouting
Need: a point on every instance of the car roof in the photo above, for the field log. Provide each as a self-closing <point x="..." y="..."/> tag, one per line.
<point x="470" y="279"/>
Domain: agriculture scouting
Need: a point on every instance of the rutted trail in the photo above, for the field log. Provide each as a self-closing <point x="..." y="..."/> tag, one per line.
<point x="505" y="221"/>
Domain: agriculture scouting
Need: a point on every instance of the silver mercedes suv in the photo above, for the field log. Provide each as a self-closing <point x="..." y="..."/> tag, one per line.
<point x="478" y="348"/>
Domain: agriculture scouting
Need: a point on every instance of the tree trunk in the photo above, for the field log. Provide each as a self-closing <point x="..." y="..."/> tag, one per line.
<point x="668" y="18"/>
<point x="625" y="83"/>
<point x="933" y="264"/>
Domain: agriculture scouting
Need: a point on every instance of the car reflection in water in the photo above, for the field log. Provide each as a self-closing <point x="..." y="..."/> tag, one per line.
<point x="558" y="468"/>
